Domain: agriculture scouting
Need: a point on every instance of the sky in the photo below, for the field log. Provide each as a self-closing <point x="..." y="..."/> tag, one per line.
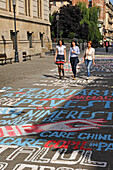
<point x="111" y="1"/>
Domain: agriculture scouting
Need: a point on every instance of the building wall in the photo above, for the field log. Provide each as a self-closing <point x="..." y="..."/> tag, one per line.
<point x="32" y="24"/>
<point x="55" y="7"/>
<point x="75" y="1"/>
<point x="109" y="21"/>
<point x="101" y="5"/>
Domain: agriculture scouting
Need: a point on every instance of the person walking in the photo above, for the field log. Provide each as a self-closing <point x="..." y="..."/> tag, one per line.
<point x="60" y="57"/>
<point x="89" y="58"/>
<point x="73" y="57"/>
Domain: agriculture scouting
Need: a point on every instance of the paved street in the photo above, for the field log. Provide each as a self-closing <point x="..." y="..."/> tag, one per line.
<point x="52" y="124"/>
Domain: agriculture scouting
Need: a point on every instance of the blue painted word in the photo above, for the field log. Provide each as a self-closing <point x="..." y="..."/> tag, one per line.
<point x="19" y="141"/>
<point x="102" y="146"/>
<point x="94" y="136"/>
<point x="58" y="134"/>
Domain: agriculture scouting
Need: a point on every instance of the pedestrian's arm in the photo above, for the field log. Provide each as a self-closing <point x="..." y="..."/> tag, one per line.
<point x="93" y="56"/>
<point x="93" y="61"/>
<point x="65" y="54"/>
<point x="84" y="57"/>
<point x="77" y="51"/>
<point x="56" y="55"/>
<point x="69" y="56"/>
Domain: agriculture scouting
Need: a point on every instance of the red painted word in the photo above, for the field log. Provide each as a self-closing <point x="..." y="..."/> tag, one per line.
<point x="65" y="144"/>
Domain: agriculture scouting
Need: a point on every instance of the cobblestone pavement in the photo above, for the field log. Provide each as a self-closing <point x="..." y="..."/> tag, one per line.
<point x="52" y="124"/>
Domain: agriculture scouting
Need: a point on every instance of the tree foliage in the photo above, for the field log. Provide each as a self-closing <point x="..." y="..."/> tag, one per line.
<point x="76" y="21"/>
<point x="90" y="16"/>
<point x="69" y="21"/>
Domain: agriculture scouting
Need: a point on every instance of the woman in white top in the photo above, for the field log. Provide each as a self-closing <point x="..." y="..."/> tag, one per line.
<point x="60" y="57"/>
<point x="89" y="58"/>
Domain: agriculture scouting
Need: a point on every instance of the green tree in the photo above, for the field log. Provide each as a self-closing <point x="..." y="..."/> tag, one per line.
<point x="69" y="21"/>
<point x="90" y="16"/>
<point x="77" y="22"/>
<point x="71" y="35"/>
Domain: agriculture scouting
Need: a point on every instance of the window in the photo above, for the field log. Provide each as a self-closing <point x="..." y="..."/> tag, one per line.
<point x="10" y="5"/>
<point x="39" y="6"/>
<point x="98" y="14"/>
<point x="54" y="3"/>
<point x="41" y="38"/>
<point x="90" y="3"/>
<point x="61" y="2"/>
<point x="29" y="37"/>
<point x="13" y="38"/>
<point x="40" y="9"/>
<point x="27" y="7"/>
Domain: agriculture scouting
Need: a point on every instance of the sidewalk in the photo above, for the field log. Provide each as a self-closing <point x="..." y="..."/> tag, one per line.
<point x="102" y="52"/>
<point x="52" y="124"/>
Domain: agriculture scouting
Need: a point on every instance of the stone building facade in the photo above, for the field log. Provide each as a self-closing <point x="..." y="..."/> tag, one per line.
<point x="108" y="21"/>
<point x="101" y="5"/>
<point x="32" y="24"/>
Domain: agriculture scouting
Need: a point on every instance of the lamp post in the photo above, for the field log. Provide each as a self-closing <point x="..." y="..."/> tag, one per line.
<point x="16" y="49"/>
<point x="57" y="18"/>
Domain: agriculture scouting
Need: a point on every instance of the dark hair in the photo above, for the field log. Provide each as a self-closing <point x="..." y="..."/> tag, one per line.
<point x="59" y="41"/>
<point x="74" y="42"/>
<point x="90" y="42"/>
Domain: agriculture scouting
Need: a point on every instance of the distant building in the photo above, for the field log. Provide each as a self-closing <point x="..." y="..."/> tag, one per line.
<point x="55" y="5"/>
<point x="108" y="24"/>
<point x="74" y="2"/>
<point x="33" y="27"/>
<point x="105" y="21"/>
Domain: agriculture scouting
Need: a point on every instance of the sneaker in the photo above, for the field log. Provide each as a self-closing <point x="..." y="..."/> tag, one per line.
<point x="63" y="77"/>
<point x="87" y="78"/>
<point x="74" y="78"/>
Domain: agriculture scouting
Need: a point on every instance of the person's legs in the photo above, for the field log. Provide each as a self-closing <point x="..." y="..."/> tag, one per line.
<point x="86" y="62"/>
<point x="62" y="68"/>
<point x="59" y="71"/>
<point x="88" y="66"/>
<point x="75" y="65"/>
<point x="72" y="64"/>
